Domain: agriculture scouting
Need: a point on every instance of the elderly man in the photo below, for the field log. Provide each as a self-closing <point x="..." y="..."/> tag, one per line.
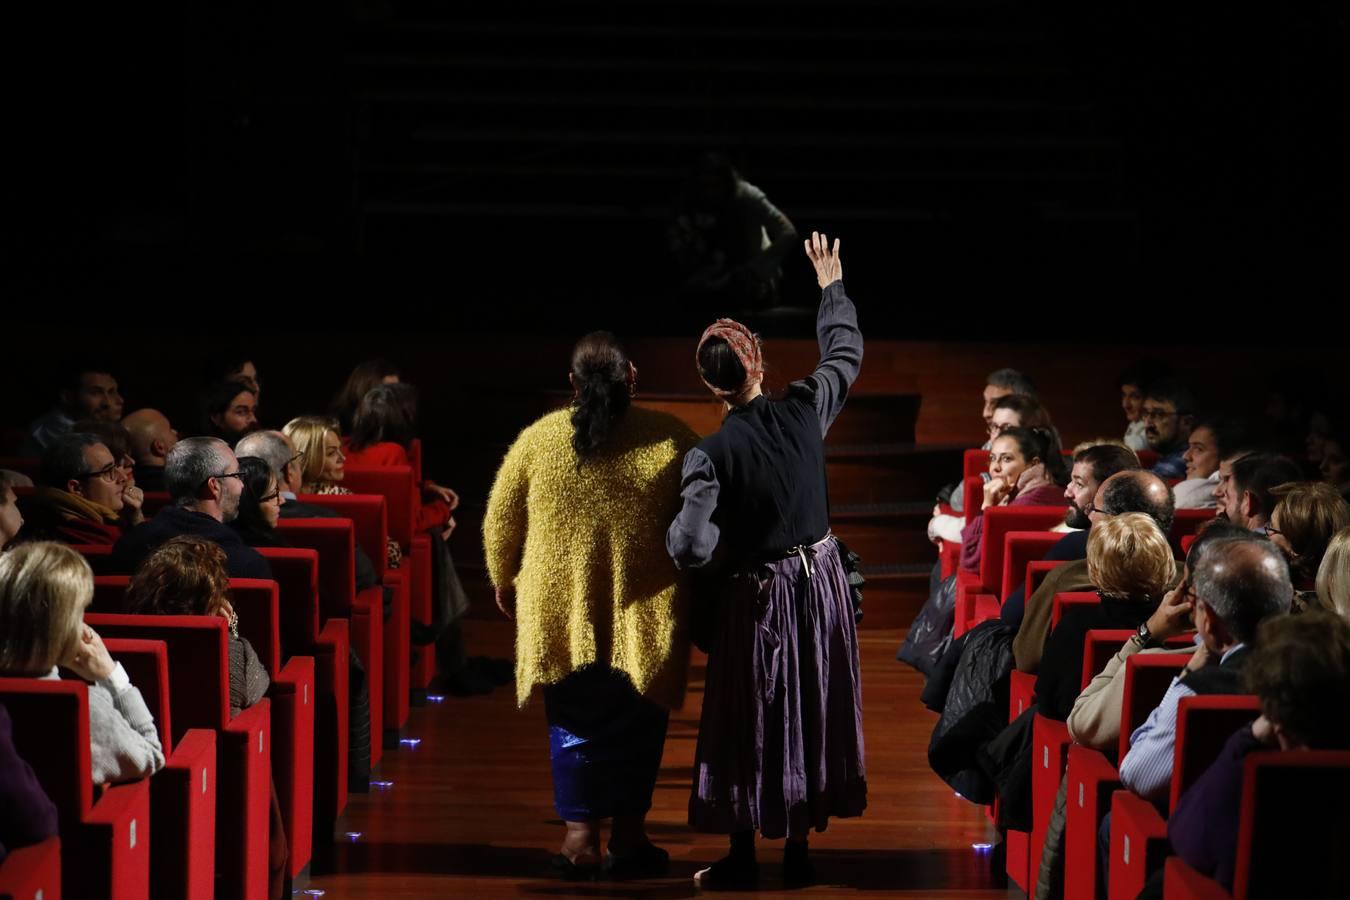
<point x="1130" y="491"/>
<point x="152" y="437"/>
<point x="83" y="498"/>
<point x="1239" y="582"/>
<point x="202" y="476"/>
<point x="87" y="392"/>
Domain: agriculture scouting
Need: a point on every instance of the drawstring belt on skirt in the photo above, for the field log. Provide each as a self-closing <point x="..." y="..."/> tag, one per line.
<point x="807" y="553"/>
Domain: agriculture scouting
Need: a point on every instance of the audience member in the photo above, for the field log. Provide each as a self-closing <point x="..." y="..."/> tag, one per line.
<point x="152" y="437"/>
<point x="1334" y="464"/>
<point x="382" y="435"/>
<point x="1300" y="671"/>
<point x="1247" y="497"/>
<point x="369" y="374"/>
<point x="45" y="588"/>
<point x="27" y="814"/>
<point x="204" y="481"/>
<point x="231" y="411"/>
<point x="259" y="504"/>
<point x="1239" y="582"/>
<point x="1333" y="575"/>
<point x="11" y="518"/>
<point x="1131" y="564"/>
<point x="1131" y="383"/>
<point x="235" y="368"/>
<point x="87" y="392"/>
<point x="1307" y="516"/>
<point x="1211" y="441"/>
<point x="1023" y="464"/>
<point x="186" y="577"/>
<point x="83" y="498"/>
<point x="1168" y="413"/>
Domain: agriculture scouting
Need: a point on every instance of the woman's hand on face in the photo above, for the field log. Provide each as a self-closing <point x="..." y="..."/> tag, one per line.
<point x="1173" y="615"/>
<point x="506" y="601"/>
<point x="826" y="261"/>
<point x="90" y="660"/>
<point x="995" y="490"/>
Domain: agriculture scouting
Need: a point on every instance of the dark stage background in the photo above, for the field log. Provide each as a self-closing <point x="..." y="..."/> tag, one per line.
<point x="992" y="165"/>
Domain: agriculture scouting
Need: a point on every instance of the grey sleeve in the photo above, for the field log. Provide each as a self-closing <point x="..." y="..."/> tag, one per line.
<point x="123" y="740"/>
<point x="841" y="353"/>
<point x="692" y="537"/>
<point x="248" y="678"/>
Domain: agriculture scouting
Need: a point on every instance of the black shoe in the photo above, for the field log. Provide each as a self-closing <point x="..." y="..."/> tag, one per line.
<point x="564" y="868"/>
<point x="730" y="873"/>
<point x="798" y="870"/>
<point x="648" y="861"/>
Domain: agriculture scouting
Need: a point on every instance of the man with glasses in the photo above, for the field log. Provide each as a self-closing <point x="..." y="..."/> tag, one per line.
<point x="1168" y="416"/>
<point x="81" y="498"/>
<point x="203" y="479"/>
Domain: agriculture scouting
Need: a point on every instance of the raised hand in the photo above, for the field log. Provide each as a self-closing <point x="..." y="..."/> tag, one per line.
<point x="1173" y="615"/>
<point x="826" y="261"/>
<point x="90" y="659"/>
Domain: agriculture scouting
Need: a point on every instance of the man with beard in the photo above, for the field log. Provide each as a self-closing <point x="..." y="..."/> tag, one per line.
<point x="203" y="478"/>
<point x="1245" y="494"/>
<point x="87" y="392"/>
<point x="1091" y="466"/>
<point x="1169" y="415"/>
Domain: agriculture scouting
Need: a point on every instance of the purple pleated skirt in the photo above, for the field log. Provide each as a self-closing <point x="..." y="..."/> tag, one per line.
<point x="780" y="744"/>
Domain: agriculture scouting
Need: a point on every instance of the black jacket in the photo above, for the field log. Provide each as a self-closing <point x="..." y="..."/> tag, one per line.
<point x="241" y="560"/>
<point x="976" y="710"/>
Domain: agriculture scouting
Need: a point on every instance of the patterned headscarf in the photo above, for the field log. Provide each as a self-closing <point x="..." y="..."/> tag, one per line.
<point x="745" y="345"/>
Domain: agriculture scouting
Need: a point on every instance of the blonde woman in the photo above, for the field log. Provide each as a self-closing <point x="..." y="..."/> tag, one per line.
<point x="1131" y="564"/>
<point x="323" y="464"/>
<point x="1333" y="575"/>
<point x="44" y="590"/>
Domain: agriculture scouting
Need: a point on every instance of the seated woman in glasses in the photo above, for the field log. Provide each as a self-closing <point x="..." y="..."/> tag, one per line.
<point x="82" y="498"/>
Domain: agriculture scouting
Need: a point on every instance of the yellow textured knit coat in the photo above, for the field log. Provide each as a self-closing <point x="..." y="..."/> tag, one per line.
<point x="584" y="546"/>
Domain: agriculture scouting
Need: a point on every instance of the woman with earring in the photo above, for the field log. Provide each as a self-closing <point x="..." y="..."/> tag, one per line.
<point x="573" y="537"/>
<point x="186" y="576"/>
<point x="780" y="745"/>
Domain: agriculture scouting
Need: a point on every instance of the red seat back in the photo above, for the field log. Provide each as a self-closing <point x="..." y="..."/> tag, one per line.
<point x="972" y="492"/>
<point x="368" y="514"/>
<point x="998" y="521"/>
<point x="258" y="605"/>
<point x="1276" y="857"/>
<point x="1187" y="522"/>
<point x="154" y="502"/>
<point x="974" y="462"/>
<point x="99" y="557"/>
<point x="334" y="541"/>
<point x="51" y="732"/>
<point x="397" y="485"/>
<point x="1099" y="645"/>
<point x="1204" y="725"/>
<point x="147" y="666"/>
<point x="199" y="676"/>
<point x="110" y="593"/>
<point x="1037" y="570"/>
<point x="1147" y="458"/>
<point x="1147" y="677"/>
<point x="1020" y="549"/>
<point x="1069" y="600"/>
<point x="296" y="570"/>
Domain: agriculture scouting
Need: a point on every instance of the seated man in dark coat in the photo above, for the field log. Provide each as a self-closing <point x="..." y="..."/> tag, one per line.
<point x="202" y="477"/>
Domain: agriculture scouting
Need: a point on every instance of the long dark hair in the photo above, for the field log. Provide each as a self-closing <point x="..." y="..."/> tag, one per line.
<point x="388" y="412"/>
<point x="365" y="376"/>
<point x="1040" y="442"/>
<point x="258" y="476"/>
<point x="600" y="375"/>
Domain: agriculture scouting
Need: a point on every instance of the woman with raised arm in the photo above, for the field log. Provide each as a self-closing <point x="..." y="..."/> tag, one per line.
<point x="780" y="745"/>
<point x="573" y="540"/>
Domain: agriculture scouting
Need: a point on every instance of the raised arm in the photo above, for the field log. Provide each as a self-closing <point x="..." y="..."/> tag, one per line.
<point x="841" y="343"/>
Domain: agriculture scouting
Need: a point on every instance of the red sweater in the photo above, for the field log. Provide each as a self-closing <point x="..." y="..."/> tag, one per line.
<point x="433" y="513"/>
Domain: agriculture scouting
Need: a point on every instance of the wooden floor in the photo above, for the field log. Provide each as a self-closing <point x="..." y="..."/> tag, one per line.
<point x="469" y="812"/>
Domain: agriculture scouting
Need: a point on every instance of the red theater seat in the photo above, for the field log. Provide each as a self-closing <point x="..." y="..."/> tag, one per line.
<point x="366" y="512"/>
<point x="334" y="541"/>
<point x="199" y="697"/>
<point x="1021" y="549"/>
<point x="105" y="845"/>
<point x="154" y="502"/>
<point x="399" y="486"/>
<point x="296" y="571"/>
<point x="1068" y="600"/>
<point x="183" y="793"/>
<point x="32" y="872"/>
<point x="998" y="522"/>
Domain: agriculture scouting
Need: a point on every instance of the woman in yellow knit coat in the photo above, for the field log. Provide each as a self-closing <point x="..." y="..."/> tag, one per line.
<point x="575" y="543"/>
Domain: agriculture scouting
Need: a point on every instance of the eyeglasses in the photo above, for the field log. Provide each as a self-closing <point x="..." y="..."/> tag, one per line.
<point x="107" y="473"/>
<point x="275" y="495"/>
<point x="239" y="475"/>
<point x="1093" y="508"/>
<point x="296" y="458"/>
<point x="1271" y="529"/>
